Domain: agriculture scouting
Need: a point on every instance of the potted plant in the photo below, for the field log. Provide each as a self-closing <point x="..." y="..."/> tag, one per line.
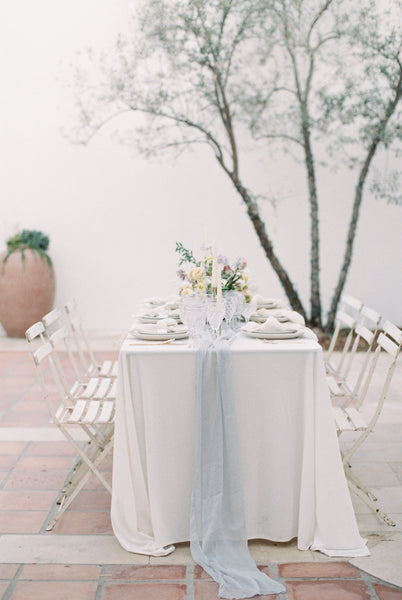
<point x="27" y="282"/>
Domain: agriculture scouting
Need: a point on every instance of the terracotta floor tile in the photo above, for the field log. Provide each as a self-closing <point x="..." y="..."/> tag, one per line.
<point x="13" y="419"/>
<point x="8" y="571"/>
<point x="327" y="590"/>
<point x="7" y="461"/>
<point x="199" y="573"/>
<point x="267" y="571"/>
<point x="107" y="463"/>
<point x="143" y="591"/>
<point x="10" y="359"/>
<point x="146" y="572"/>
<point x="46" y="462"/>
<point x="31" y="402"/>
<point x="205" y="590"/>
<point x="84" y="523"/>
<point x="385" y="592"/>
<point x="21" y="521"/>
<point x="93" y="482"/>
<point x="29" y="500"/>
<point x="15" y="383"/>
<point x="52" y="590"/>
<point x="52" y="448"/>
<point x="3" y="587"/>
<point x="8" y="398"/>
<point x="61" y="572"/>
<point x="313" y="570"/>
<point x="36" y="479"/>
<point x="91" y="500"/>
<point x="12" y="447"/>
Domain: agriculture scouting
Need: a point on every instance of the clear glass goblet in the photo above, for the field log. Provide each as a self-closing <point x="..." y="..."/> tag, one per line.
<point x="215" y="314"/>
<point x="230" y="297"/>
<point x="195" y="316"/>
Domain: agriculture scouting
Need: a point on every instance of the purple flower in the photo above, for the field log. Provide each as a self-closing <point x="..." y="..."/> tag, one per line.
<point x="240" y="263"/>
<point x="182" y="274"/>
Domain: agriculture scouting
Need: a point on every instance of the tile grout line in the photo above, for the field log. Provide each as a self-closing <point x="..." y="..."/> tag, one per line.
<point x="10" y="588"/>
<point x="10" y="471"/>
<point x="101" y="582"/>
<point x="190" y="582"/>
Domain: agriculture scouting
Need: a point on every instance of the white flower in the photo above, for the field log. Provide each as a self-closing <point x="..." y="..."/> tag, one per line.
<point x="196" y="274"/>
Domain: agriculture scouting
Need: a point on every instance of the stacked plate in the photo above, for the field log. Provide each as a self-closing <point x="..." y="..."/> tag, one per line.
<point x="161" y="331"/>
<point x="272" y="329"/>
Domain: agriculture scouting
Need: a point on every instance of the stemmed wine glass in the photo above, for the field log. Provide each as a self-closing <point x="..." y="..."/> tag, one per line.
<point x="248" y="309"/>
<point x="215" y="314"/>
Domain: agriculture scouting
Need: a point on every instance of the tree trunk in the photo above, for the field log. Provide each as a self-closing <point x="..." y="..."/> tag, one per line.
<point x="357" y="203"/>
<point x="259" y="226"/>
<point x="315" y="294"/>
<point x="347" y="259"/>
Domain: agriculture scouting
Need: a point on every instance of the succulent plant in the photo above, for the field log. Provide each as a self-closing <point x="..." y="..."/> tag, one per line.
<point x="29" y="239"/>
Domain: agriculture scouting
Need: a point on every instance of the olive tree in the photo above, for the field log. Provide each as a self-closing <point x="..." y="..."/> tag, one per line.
<point x="202" y="71"/>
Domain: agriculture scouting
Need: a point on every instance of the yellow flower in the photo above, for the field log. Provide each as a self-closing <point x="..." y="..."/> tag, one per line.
<point x="195" y="274"/>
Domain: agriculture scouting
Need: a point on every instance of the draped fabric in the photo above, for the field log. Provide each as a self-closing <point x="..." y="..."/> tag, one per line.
<point x="218" y="537"/>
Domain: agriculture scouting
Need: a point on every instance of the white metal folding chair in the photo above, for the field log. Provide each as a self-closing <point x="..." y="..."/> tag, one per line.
<point x="58" y="336"/>
<point x="347" y="318"/>
<point x="108" y="368"/>
<point x="94" y="417"/>
<point x="342" y="386"/>
<point x="350" y="418"/>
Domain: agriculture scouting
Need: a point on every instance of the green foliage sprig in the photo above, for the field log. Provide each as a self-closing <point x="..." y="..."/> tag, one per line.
<point x="31" y="240"/>
<point x="186" y="256"/>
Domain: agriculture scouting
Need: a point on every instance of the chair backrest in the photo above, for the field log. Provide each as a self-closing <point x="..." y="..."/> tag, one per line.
<point x="58" y="335"/>
<point x="390" y="342"/>
<point x="87" y="357"/>
<point x="46" y="361"/>
<point x="364" y="334"/>
<point x="347" y="317"/>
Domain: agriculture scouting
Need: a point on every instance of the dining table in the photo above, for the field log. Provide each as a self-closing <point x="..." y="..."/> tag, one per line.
<point x="293" y="481"/>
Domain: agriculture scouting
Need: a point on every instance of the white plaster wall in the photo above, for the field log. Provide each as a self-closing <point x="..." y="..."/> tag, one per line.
<point x="113" y="218"/>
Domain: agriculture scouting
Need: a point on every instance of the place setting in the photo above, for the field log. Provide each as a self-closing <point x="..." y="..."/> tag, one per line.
<point x="163" y="330"/>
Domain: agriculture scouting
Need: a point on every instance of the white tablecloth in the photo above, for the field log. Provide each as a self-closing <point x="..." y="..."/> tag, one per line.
<point x="293" y="480"/>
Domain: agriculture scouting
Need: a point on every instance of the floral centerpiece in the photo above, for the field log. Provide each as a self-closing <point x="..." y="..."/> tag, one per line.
<point x="197" y="278"/>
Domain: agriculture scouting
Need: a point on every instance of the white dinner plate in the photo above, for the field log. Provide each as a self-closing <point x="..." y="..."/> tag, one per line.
<point x="271" y="335"/>
<point x="150" y="319"/>
<point x="154" y="319"/>
<point x="160" y="337"/>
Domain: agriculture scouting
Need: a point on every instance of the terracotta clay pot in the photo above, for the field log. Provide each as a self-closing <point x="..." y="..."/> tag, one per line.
<point x="26" y="291"/>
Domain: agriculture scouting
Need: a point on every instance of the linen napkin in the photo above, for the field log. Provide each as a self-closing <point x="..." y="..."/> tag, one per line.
<point x="154" y="301"/>
<point x="272" y="325"/>
<point x="162" y="326"/>
<point x="218" y="536"/>
<point x="290" y="315"/>
<point x="274" y="302"/>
